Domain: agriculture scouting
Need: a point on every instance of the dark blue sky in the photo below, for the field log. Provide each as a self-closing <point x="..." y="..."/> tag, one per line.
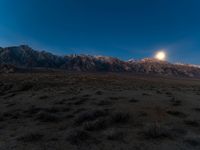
<point x="121" y="28"/>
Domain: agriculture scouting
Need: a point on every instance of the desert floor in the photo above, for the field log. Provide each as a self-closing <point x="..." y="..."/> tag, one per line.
<point x="69" y="111"/>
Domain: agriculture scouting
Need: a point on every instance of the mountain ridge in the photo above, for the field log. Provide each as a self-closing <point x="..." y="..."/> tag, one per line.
<point x="26" y="57"/>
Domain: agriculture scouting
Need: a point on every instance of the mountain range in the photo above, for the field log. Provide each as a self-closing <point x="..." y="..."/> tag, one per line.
<point x="23" y="56"/>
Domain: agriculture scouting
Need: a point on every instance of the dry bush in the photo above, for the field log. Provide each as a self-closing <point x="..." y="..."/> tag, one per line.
<point x="52" y="109"/>
<point x="6" y="87"/>
<point x="47" y="117"/>
<point x="104" y="103"/>
<point x="197" y="109"/>
<point x="156" y="131"/>
<point x="81" y="101"/>
<point x="178" y="132"/>
<point x="133" y="100"/>
<point x="192" y="123"/>
<point x="146" y="94"/>
<point x="26" y="86"/>
<point x="114" y="135"/>
<point x="60" y="102"/>
<point x="120" y="117"/>
<point x="79" y="110"/>
<point x="78" y="136"/>
<point x="99" y="93"/>
<point x="32" y="110"/>
<point x="159" y="92"/>
<point x="176" y="114"/>
<point x="115" y="98"/>
<point x="95" y="125"/>
<point x="169" y="94"/>
<point x="1" y="117"/>
<point x="31" y="137"/>
<point x="90" y="116"/>
<point x="192" y="141"/>
<point x="44" y="97"/>
<point x="176" y="102"/>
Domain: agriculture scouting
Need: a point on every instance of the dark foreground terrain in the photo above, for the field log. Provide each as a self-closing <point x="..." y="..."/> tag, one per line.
<point x="69" y="111"/>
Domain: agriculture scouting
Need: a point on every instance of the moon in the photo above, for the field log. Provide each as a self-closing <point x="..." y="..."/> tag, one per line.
<point x="160" y="55"/>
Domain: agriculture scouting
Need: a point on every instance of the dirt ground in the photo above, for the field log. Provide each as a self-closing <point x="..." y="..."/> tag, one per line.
<point x="87" y="111"/>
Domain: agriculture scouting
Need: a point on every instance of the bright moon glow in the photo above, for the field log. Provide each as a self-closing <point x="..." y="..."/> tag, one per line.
<point x="161" y="55"/>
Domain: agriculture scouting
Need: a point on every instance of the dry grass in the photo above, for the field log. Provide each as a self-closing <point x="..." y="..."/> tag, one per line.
<point x="98" y="111"/>
<point x="156" y="131"/>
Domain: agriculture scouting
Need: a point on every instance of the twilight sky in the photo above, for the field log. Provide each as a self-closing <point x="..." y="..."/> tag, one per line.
<point x="120" y="28"/>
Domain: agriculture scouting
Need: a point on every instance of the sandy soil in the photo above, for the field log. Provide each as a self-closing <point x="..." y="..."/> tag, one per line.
<point x="69" y="111"/>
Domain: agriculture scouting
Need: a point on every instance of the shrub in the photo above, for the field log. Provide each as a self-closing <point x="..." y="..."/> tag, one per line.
<point x="192" y="141"/>
<point x="47" y="117"/>
<point x="156" y="132"/>
<point x="95" y="125"/>
<point x="90" y="116"/>
<point x="176" y="114"/>
<point x="25" y="86"/>
<point x="192" y="123"/>
<point x="114" y="135"/>
<point x="77" y="136"/>
<point x="104" y="103"/>
<point x="197" y="109"/>
<point x="99" y="93"/>
<point x="31" y="137"/>
<point x="133" y="100"/>
<point x="120" y="117"/>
